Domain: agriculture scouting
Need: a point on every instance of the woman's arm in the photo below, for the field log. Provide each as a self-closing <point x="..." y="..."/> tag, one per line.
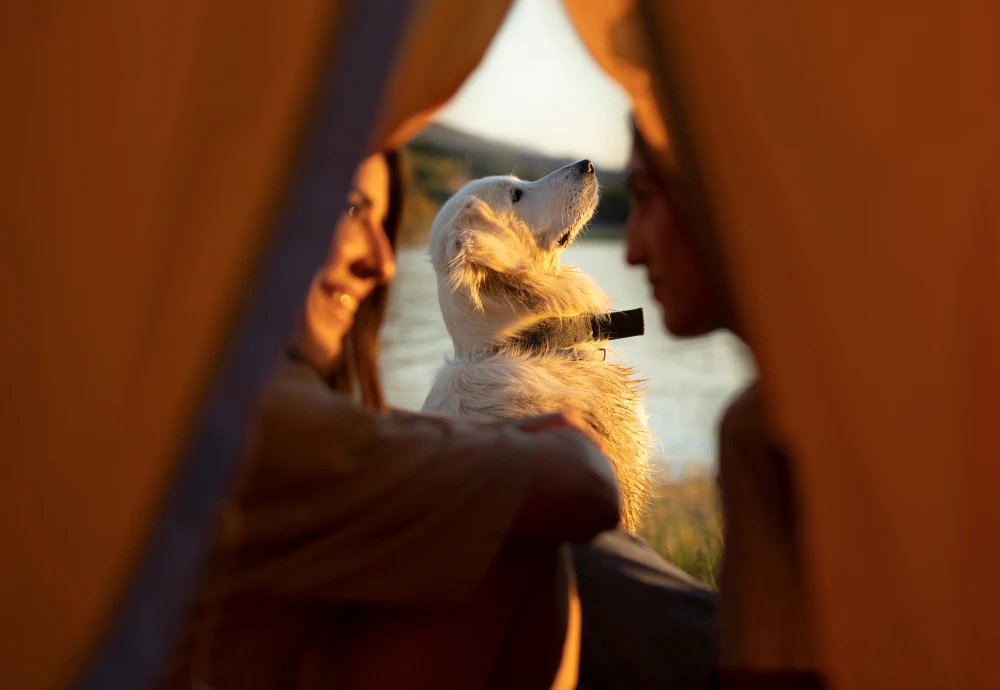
<point x="573" y="494"/>
<point x="342" y="504"/>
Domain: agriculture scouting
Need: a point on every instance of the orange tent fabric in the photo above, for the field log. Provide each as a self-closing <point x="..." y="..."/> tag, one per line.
<point x="443" y="42"/>
<point x="147" y="151"/>
<point x="848" y="155"/>
<point x="146" y="145"/>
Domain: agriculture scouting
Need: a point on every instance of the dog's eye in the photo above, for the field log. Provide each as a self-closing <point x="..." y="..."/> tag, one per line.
<point x="564" y="240"/>
<point x="516" y="194"/>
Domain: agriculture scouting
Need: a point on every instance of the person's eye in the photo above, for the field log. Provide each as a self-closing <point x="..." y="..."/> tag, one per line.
<point x="639" y="194"/>
<point x="357" y="209"/>
<point x="516" y="194"/>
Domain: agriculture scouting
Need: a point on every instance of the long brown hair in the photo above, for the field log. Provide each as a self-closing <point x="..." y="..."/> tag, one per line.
<point x="359" y="367"/>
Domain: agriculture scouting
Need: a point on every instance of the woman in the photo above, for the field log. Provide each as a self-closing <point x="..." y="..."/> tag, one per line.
<point x="372" y="548"/>
<point x="765" y="635"/>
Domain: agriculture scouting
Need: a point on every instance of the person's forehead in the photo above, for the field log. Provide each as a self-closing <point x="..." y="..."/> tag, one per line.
<point x="636" y="163"/>
<point x="372" y="179"/>
<point x="637" y="169"/>
<point x="373" y="167"/>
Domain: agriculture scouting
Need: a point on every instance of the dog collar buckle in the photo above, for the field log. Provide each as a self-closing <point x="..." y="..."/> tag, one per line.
<point x="618" y="325"/>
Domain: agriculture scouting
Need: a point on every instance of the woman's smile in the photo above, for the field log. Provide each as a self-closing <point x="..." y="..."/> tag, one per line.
<point x="341" y="301"/>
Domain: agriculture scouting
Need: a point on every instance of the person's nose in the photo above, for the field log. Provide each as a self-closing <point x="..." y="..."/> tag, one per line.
<point x="378" y="262"/>
<point x="386" y="258"/>
<point x="635" y="246"/>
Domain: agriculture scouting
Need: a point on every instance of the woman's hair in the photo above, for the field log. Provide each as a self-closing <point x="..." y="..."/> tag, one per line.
<point x="679" y="196"/>
<point x="670" y="185"/>
<point x="359" y="367"/>
<point x="649" y="156"/>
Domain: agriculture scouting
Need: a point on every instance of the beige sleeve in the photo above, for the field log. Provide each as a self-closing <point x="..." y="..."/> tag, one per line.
<point x="343" y="504"/>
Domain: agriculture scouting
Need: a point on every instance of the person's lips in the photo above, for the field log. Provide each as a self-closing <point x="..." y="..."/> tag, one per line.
<point x="658" y="286"/>
<point x="347" y="301"/>
<point x="342" y="296"/>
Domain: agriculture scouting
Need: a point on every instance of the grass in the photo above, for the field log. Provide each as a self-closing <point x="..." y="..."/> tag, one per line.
<point x="684" y="525"/>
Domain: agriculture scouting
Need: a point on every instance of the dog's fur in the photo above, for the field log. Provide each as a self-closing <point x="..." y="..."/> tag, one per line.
<point x="498" y="271"/>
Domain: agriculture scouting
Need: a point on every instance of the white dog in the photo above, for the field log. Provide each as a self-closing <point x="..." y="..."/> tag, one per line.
<point x="530" y="333"/>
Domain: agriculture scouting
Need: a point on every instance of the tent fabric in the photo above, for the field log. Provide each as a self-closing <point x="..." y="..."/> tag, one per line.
<point x="329" y="145"/>
<point x="613" y="33"/>
<point x="144" y="147"/>
<point x="847" y="153"/>
<point x="849" y="156"/>
<point x="147" y="151"/>
<point x="443" y="42"/>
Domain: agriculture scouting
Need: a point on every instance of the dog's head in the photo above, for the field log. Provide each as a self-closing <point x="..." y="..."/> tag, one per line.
<point x="495" y="246"/>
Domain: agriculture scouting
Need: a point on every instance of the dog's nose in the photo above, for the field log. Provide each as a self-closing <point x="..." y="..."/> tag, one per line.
<point x="584" y="167"/>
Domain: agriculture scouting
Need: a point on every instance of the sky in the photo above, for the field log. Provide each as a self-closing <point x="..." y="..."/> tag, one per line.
<point x="537" y="86"/>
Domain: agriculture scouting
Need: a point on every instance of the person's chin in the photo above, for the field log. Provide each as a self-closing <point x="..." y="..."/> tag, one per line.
<point x="670" y="321"/>
<point x="335" y="316"/>
<point x="329" y="331"/>
<point x="676" y="324"/>
<point x="690" y="326"/>
<point x="671" y="325"/>
<point x="344" y="317"/>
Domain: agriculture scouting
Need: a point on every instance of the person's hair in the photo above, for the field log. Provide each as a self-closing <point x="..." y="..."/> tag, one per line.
<point x="649" y="156"/>
<point x="359" y="366"/>
<point x="670" y="185"/>
<point x="679" y="195"/>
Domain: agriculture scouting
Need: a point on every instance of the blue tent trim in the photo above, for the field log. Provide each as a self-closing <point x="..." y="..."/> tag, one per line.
<point x="131" y="654"/>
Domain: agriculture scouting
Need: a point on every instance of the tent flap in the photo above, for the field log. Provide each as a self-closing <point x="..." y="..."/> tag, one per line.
<point x="852" y="173"/>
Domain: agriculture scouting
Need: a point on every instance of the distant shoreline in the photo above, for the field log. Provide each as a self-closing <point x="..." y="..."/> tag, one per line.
<point x="601" y="232"/>
<point x="604" y="231"/>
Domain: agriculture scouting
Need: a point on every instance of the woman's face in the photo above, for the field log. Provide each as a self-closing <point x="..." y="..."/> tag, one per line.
<point x="656" y="240"/>
<point x="360" y="258"/>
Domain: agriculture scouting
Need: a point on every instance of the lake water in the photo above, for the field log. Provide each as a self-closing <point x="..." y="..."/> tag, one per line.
<point x="690" y="381"/>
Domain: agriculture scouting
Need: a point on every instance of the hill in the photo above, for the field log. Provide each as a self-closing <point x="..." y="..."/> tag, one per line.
<point x="442" y="159"/>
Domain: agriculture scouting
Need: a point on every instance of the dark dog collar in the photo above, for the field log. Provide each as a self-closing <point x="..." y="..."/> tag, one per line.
<point x="561" y="332"/>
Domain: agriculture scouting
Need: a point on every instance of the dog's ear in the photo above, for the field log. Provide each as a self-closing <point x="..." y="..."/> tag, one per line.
<point x="483" y="246"/>
<point x="482" y="239"/>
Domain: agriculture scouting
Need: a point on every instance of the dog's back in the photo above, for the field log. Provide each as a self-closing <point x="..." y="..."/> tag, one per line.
<point x="511" y="383"/>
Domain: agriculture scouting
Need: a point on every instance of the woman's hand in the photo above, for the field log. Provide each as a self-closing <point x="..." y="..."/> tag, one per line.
<point x="564" y="419"/>
<point x="573" y="494"/>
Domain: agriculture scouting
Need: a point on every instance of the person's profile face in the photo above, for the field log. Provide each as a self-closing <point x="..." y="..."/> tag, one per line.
<point x="360" y="258"/>
<point x="656" y="239"/>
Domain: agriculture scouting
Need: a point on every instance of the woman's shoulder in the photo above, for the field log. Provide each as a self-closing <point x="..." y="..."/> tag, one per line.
<point x="744" y="415"/>
<point x="296" y="409"/>
<point x="293" y="384"/>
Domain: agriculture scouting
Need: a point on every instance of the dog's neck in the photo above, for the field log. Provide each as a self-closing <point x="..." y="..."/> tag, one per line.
<point x="473" y="330"/>
<point x="509" y="309"/>
<point x="569" y="332"/>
